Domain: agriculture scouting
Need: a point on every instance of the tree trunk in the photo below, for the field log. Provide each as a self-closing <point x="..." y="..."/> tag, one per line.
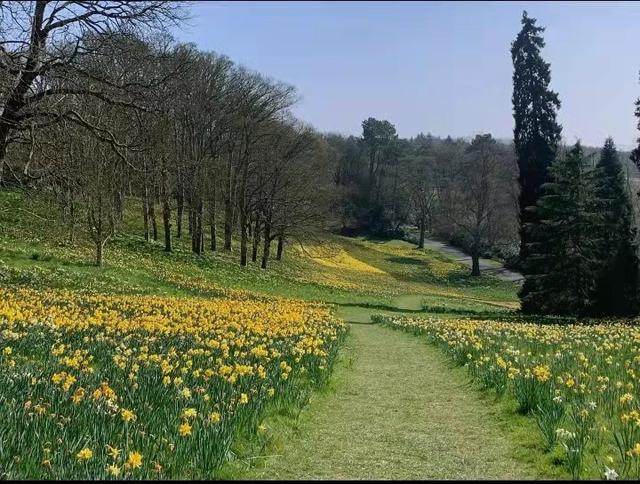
<point x="256" y="238"/>
<point x="166" y="213"/>
<point x="280" y="247"/>
<point x="243" y="238"/>
<point x="267" y="245"/>
<point x="475" y="263"/>
<point x="197" y="233"/>
<point x="3" y="154"/>
<point x="99" y="251"/>
<point x="212" y="217"/>
<point x="228" y="224"/>
<point x="423" y="225"/>
<point x="145" y="210"/>
<point x="212" y="224"/>
<point x="200" y="225"/>
<point x="72" y="216"/>
<point x="152" y="217"/>
<point x="179" y="212"/>
<point x="228" y="204"/>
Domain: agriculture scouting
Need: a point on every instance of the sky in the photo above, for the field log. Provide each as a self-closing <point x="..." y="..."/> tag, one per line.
<point x="438" y="67"/>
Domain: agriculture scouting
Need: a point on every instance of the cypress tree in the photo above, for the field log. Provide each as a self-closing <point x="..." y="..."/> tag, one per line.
<point x="617" y="285"/>
<point x="536" y="132"/>
<point x="563" y="259"/>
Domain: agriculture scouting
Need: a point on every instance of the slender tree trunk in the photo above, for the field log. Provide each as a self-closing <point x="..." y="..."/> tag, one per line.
<point x="243" y="237"/>
<point x="3" y="154"/>
<point x="97" y="227"/>
<point x="280" y="249"/>
<point x="166" y="212"/>
<point x="179" y="211"/>
<point x="212" y="222"/>
<point x="197" y="234"/>
<point x="244" y="216"/>
<point x="228" y="224"/>
<point x="200" y="226"/>
<point x="152" y="215"/>
<point x="145" y="209"/>
<point x="256" y="238"/>
<point x="72" y="216"/>
<point x="423" y="224"/>
<point x="212" y="214"/>
<point x="267" y="245"/>
<point x="228" y="204"/>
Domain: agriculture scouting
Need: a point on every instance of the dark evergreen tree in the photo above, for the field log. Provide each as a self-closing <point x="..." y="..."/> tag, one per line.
<point x="635" y="154"/>
<point x="536" y="132"/>
<point x="617" y="284"/>
<point x="563" y="254"/>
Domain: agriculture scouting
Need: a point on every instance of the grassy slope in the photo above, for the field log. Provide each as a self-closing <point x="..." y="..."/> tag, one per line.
<point x="31" y="252"/>
<point x="361" y="277"/>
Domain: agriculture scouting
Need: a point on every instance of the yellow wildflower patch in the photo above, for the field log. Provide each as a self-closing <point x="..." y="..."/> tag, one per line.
<point x="136" y="376"/>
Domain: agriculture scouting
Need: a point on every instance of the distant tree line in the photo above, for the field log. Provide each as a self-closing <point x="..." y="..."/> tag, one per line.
<point x="99" y="103"/>
<point x="463" y="191"/>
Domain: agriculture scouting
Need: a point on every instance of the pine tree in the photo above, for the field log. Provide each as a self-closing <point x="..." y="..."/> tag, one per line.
<point x="617" y="284"/>
<point x="536" y="132"/>
<point x="563" y="259"/>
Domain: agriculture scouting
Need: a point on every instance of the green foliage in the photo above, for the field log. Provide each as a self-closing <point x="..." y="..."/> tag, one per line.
<point x="563" y="254"/>
<point x="617" y="284"/>
<point x="635" y="154"/>
<point x="536" y="132"/>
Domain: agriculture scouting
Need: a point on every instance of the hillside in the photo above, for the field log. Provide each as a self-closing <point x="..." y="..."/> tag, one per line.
<point x="336" y="270"/>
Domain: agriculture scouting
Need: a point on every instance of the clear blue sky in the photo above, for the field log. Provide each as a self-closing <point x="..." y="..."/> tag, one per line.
<point x="439" y="67"/>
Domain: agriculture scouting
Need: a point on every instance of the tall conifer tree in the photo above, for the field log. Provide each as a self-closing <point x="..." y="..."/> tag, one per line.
<point x="635" y="154"/>
<point x="617" y="285"/>
<point x="563" y="258"/>
<point x="536" y="132"/>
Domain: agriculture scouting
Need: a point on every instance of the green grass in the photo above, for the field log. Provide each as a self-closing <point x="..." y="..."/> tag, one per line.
<point x="397" y="409"/>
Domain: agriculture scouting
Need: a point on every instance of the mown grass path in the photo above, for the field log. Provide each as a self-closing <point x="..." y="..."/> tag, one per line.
<point x="395" y="409"/>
